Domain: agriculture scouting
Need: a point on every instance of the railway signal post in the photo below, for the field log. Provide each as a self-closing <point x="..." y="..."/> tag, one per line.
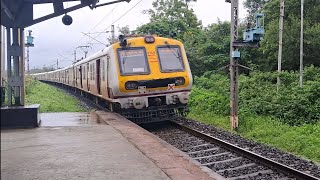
<point x="29" y="44"/>
<point x="251" y="39"/>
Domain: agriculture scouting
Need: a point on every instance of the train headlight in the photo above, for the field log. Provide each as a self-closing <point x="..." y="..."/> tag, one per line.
<point x="138" y="103"/>
<point x="149" y="39"/>
<point x="130" y="85"/>
<point x="183" y="98"/>
<point x="180" y="81"/>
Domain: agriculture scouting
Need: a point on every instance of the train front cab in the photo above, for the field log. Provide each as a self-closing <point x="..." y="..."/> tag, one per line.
<point x="153" y="75"/>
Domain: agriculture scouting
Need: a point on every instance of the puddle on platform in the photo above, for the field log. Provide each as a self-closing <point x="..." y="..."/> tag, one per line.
<point x="69" y="119"/>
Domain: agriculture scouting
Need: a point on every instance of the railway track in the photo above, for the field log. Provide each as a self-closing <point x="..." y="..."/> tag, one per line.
<point x="226" y="159"/>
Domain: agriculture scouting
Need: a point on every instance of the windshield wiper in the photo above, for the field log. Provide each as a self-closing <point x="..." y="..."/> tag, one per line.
<point x="173" y="52"/>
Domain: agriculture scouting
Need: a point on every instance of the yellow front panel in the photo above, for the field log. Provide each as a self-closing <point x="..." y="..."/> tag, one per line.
<point x="155" y="72"/>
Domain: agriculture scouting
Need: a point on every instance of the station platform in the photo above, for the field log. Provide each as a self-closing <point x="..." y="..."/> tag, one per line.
<point x="95" y="145"/>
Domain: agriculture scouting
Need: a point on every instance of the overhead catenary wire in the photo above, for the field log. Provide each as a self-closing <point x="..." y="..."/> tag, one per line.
<point x="117" y="20"/>
<point x="99" y="33"/>
<point x="99" y="22"/>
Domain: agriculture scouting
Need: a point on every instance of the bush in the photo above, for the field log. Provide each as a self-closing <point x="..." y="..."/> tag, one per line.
<point x="258" y="95"/>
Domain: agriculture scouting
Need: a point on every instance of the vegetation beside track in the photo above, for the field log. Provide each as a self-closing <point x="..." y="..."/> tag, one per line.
<point x="51" y="99"/>
<point x="289" y="119"/>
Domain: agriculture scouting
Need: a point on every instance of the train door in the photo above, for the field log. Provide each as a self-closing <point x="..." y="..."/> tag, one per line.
<point x="68" y="77"/>
<point x="80" y="72"/>
<point x="88" y="77"/>
<point x="98" y="76"/>
<point x="65" y="76"/>
<point x="75" y="79"/>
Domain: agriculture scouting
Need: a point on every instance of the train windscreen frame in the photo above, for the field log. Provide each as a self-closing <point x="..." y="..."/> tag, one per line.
<point x="170" y="58"/>
<point x="133" y="61"/>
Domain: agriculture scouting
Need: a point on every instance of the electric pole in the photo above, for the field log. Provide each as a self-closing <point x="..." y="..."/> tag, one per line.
<point x="112" y="34"/>
<point x="252" y="37"/>
<point x="301" y="46"/>
<point x="75" y="55"/>
<point x="57" y="63"/>
<point x="234" y="68"/>
<point x="280" y="41"/>
<point x="84" y="49"/>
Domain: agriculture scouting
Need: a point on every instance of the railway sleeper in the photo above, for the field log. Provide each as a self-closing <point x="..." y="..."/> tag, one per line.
<point x="236" y="168"/>
<point x="223" y="161"/>
<point x="247" y="176"/>
<point x="200" y="151"/>
<point x="214" y="155"/>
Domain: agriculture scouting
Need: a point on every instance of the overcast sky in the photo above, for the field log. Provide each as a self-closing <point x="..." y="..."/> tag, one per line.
<point x="53" y="40"/>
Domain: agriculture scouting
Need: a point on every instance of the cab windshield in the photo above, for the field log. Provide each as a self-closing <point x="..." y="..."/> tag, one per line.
<point x="133" y="61"/>
<point x="170" y="59"/>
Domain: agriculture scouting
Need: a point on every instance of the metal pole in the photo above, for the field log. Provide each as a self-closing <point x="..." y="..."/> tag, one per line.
<point x="3" y="57"/>
<point x="75" y="55"/>
<point x="9" y="66"/>
<point x="57" y="63"/>
<point x="28" y="59"/>
<point x="280" y="41"/>
<point x="301" y="45"/>
<point x="234" y="66"/>
<point x="15" y="44"/>
<point x="112" y="34"/>
<point x="22" y="67"/>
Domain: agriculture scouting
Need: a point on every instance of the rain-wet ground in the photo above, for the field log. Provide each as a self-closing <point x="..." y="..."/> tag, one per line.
<point x="69" y="119"/>
<point x="73" y="146"/>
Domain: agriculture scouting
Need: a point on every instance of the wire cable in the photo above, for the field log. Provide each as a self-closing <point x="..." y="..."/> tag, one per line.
<point x="99" y="22"/>
<point x="117" y="19"/>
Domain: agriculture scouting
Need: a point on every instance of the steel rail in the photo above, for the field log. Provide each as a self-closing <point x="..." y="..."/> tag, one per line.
<point x="248" y="154"/>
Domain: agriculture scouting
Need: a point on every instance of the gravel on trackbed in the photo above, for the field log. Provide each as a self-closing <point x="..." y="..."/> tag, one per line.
<point x="264" y="150"/>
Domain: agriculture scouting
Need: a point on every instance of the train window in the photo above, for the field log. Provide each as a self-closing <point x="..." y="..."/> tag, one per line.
<point x="94" y="71"/>
<point x="133" y="61"/>
<point x="90" y="71"/>
<point x="103" y="70"/>
<point x="83" y="72"/>
<point x="170" y="58"/>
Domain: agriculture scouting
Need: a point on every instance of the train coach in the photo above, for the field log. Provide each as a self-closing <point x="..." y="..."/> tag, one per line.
<point x="145" y="79"/>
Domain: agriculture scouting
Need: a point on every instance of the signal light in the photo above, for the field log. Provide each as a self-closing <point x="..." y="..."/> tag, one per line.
<point x="149" y="39"/>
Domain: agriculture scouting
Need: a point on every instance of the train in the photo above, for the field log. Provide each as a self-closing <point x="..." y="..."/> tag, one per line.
<point x="143" y="78"/>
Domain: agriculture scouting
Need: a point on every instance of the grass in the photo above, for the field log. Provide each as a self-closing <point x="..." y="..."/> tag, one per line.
<point x="51" y="99"/>
<point x="302" y="140"/>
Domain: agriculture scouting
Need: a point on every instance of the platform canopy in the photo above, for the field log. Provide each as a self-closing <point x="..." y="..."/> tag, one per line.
<point x="19" y="13"/>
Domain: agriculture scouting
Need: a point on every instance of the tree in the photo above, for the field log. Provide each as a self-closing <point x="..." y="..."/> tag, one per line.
<point x="124" y="30"/>
<point x="253" y="7"/>
<point x="170" y="16"/>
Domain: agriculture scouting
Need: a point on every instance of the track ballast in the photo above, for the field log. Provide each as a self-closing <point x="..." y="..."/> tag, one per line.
<point x="226" y="159"/>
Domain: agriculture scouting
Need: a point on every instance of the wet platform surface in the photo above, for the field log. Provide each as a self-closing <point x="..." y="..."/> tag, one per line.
<point x="69" y="119"/>
<point x="73" y="146"/>
<point x="92" y="145"/>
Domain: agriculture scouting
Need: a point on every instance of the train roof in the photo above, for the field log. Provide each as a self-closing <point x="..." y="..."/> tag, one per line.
<point x="101" y="53"/>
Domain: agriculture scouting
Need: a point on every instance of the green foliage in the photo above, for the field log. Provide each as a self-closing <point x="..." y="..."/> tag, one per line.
<point x="50" y="98"/>
<point x="301" y="140"/>
<point x="258" y="96"/>
<point x="291" y="104"/>
<point x="170" y="16"/>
